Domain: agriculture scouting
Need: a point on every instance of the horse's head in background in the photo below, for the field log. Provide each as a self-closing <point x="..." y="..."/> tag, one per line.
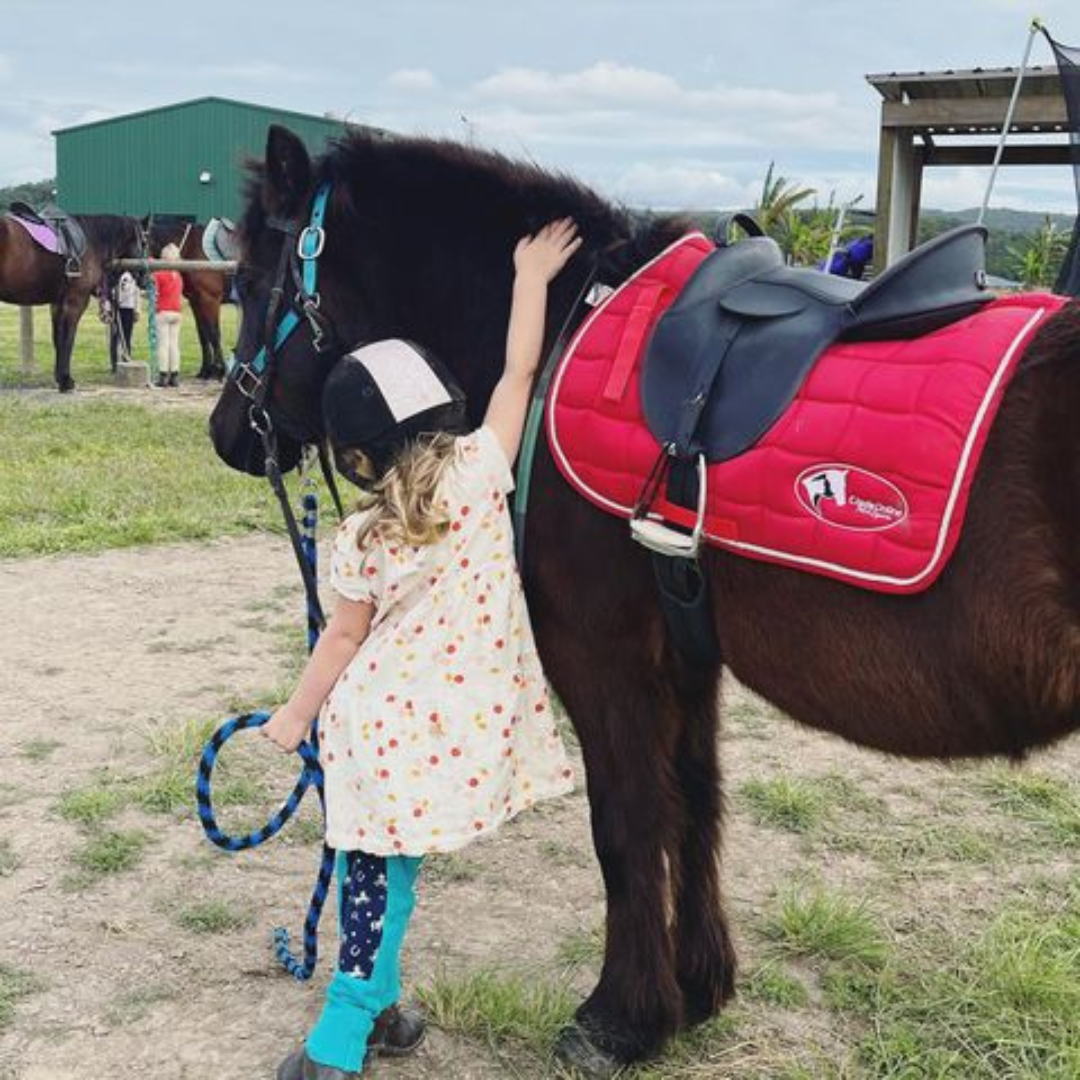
<point x="415" y="241"/>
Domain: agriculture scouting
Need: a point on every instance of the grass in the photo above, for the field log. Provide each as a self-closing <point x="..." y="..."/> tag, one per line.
<point x="810" y="920"/>
<point x="785" y="802"/>
<point x="499" y="1008"/>
<point x="39" y="749"/>
<point x="86" y="475"/>
<point x="91" y="806"/>
<point x="14" y="986"/>
<point x="1050" y="804"/>
<point x="212" y="917"/>
<point x="1006" y="1005"/>
<point x="90" y="358"/>
<point x="129" y="1006"/>
<point x="109" y="852"/>
<point x="772" y="985"/>
<point x="9" y="859"/>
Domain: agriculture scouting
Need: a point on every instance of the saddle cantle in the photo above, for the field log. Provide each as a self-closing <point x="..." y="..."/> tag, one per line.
<point x="220" y="242"/>
<point x="55" y="230"/>
<point x="729" y="355"/>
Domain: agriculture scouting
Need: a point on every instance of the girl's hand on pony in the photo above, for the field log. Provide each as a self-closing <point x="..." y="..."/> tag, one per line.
<point x="542" y="256"/>
<point x="286" y="728"/>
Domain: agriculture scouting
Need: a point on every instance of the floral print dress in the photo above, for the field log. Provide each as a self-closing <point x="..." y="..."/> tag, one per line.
<point x="441" y="727"/>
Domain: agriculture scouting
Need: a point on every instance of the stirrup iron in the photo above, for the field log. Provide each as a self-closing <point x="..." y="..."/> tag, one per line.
<point x="663" y="539"/>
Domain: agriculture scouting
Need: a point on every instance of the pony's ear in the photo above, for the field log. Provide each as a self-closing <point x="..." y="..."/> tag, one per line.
<point x="288" y="172"/>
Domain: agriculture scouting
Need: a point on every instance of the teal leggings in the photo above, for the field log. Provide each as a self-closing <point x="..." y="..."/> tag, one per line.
<point x="376" y="897"/>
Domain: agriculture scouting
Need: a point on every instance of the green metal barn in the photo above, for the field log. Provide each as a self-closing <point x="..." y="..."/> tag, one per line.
<point x="186" y="158"/>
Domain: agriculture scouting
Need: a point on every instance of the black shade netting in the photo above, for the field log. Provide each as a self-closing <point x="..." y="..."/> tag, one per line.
<point x="1068" y="62"/>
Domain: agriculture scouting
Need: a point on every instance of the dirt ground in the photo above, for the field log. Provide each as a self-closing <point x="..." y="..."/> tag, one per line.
<point x="101" y="651"/>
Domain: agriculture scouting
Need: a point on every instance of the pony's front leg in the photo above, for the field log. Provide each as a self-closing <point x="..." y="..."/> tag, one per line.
<point x="705" y="959"/>
<point x="627" y="740"/>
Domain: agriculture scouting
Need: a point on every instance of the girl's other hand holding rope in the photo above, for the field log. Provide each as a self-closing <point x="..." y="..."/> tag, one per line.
<point x="287" y="728"/>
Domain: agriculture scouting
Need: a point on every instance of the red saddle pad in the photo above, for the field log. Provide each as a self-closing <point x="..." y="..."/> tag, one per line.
<point x="865" y="477"/>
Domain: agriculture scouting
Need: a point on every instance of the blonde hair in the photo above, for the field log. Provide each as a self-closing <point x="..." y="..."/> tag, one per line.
<point x="405" y="500"/>
<point x="170" y="252"/>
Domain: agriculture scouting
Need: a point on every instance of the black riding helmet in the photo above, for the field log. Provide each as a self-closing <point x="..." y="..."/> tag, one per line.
<point x="382" y="396"/>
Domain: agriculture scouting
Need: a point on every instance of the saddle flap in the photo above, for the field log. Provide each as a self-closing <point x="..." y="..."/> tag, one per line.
<point x="760" y="300"/>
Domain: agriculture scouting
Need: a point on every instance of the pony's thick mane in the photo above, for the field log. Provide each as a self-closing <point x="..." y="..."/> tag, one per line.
<point x="495" y="197"/>
<point x="110" y="234"/>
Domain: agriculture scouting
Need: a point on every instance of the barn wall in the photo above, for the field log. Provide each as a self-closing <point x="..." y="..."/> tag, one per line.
<point x="151" y="161"/>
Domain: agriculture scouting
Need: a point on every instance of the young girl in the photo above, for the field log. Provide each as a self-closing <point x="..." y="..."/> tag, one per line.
<point x="435" y="720"/>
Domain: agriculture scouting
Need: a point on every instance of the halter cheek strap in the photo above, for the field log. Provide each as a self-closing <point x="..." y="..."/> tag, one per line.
<point x="303" y="260"/>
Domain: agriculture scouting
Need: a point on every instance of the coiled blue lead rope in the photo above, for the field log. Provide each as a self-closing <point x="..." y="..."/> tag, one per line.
<point x="310" y="774"/>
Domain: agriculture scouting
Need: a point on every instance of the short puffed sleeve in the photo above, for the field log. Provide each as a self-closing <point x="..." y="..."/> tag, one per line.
<point x="481" y="451"/>
<point x="356" y="570"/>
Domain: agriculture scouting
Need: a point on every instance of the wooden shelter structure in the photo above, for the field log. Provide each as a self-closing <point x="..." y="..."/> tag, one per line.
<point x="936" y="118"/>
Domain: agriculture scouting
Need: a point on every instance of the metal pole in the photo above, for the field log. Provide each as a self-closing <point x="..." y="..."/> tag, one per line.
<point x="1036" y="26"/>
<point x="223" y="267"/>
<point x="26" y="340"/>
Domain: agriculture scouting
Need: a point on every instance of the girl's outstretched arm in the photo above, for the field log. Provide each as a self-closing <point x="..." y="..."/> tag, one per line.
<point x="537" y="259"/>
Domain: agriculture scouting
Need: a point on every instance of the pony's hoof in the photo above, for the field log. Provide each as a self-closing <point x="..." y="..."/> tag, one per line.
<point x="575" y="1048"/>
<point x="66" y="385"/>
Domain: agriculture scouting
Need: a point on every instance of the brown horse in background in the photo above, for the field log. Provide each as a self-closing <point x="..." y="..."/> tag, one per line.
<point x="206" y="290"/>
<point x="419" y="238"/>
<point x="30" y="275"/>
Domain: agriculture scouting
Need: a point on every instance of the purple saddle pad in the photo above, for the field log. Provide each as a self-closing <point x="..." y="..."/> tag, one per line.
<point x="41" y="234"/>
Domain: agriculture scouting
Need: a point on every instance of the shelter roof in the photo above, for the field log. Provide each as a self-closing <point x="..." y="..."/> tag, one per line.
<point x="972" y="101"/>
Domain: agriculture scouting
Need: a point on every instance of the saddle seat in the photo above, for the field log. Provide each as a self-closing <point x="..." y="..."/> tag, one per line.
<point x="70" y="237"/>
<point x="729" y="355"/>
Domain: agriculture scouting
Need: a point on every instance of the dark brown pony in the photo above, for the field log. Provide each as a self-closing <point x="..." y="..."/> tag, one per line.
<point x="30" y="275"/>
<point x="206" y="290"/>
<point x="418" y="243"/>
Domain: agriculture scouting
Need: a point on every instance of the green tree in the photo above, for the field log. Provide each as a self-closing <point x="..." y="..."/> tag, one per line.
<point x="775" y="210"/>
<point x="36" y="193"/>
<point x="1037" y="260"/>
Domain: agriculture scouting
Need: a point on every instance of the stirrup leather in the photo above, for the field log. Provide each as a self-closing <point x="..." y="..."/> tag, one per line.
<point x="663" y="539"/>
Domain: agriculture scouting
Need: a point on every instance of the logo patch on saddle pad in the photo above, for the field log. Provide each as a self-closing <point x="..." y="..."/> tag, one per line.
<point x="851" y="498"/>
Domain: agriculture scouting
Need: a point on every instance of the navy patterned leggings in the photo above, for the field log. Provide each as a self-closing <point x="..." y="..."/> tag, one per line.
<point x="376" y="896"/>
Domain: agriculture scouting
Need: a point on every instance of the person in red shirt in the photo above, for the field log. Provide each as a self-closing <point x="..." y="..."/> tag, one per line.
<point x="169" y="287"/>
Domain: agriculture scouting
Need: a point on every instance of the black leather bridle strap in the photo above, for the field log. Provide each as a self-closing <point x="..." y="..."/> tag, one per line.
<point x="277" y="484"/>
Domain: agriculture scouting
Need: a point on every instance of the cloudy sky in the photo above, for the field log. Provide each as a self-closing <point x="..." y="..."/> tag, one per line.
<point x="672" y="103"/>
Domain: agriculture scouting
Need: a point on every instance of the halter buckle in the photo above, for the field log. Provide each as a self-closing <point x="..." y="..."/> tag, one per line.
<point x="248" y="381"/>
<point x="310" y="243"/>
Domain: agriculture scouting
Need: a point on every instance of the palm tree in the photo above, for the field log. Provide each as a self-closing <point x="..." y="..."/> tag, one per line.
<point x="775" y="210"/>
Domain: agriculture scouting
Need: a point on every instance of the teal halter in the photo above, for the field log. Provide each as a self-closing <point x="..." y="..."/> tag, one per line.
<point x="250" y="377"/>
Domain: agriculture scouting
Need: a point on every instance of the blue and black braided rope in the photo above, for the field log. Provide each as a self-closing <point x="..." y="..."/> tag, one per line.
<point x="310" y="774"/>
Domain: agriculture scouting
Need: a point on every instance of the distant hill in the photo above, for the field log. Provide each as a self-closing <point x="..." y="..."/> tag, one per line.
<point x="1003" y="219"/>
<point x="36" y="193"/>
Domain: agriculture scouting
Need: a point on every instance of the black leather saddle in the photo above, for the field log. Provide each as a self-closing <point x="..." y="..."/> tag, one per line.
<point x="70" y="238"/>
<point x="726" y="359"/>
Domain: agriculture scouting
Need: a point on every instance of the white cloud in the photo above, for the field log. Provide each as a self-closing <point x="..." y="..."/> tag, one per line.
<point x="684" y="187"/>
<point x="1040" y="189"/>
<point x="7" y="69"/>
<point x="603" y="84"/>
<point x="641" y="111"/>
<point x="412" y="79"/>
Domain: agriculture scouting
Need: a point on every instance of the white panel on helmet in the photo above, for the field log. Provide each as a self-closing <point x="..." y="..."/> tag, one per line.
<point x="404" y="378"/>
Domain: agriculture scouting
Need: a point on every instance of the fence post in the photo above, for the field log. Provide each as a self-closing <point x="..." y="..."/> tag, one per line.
<point x="26" y="340"/>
